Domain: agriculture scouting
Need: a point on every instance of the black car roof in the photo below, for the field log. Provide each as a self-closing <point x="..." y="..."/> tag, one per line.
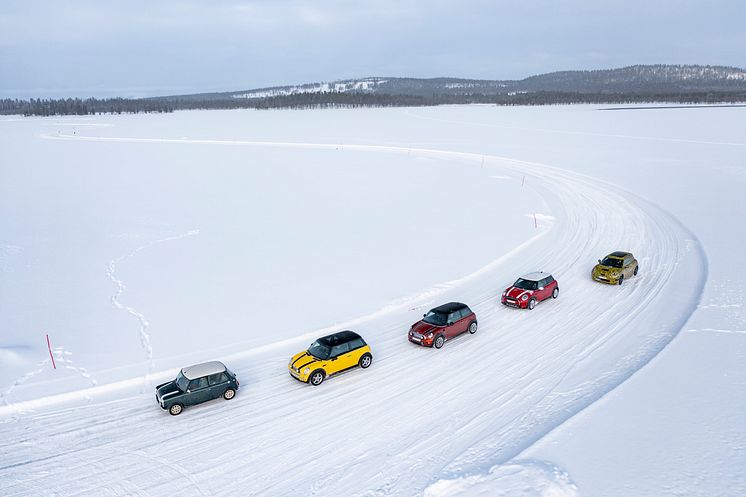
<point x="340" y="337"/>
<point x="618" y="254"/>
<point x="450" y="307"/>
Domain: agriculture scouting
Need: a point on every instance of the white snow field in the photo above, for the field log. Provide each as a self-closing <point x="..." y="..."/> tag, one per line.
<point x="145" y="243"/>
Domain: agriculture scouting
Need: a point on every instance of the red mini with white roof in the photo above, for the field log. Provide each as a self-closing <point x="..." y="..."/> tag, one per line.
<point x="531" y="289"/>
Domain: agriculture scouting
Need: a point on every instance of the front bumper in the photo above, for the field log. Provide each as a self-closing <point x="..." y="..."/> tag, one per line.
<point x="604" y="278"/>
<point x="425" y="342"/>
<point x="298" y="375"/>
<point x="517" y="303"/>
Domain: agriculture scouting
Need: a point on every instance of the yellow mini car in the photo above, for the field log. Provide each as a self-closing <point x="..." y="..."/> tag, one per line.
<point x="615" y="267"/>
<point x="330" y="355"/>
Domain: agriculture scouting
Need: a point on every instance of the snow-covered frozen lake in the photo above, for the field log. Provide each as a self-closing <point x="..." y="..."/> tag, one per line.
<point x="141" y="244"/>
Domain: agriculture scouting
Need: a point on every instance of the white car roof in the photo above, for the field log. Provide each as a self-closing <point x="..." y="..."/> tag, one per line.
<point x="204" y="369"/>
<point x="536" y="276"/>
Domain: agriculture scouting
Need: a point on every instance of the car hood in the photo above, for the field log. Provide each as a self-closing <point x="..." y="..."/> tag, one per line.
<point x="302" y="360"/>
<point x="423" y="328"/>
<point x="606" y="269"/>
<point x="517" y="293"/>
<point x="167" y="390"/>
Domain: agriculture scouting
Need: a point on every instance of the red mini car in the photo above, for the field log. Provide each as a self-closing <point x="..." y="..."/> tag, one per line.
<point x="530" y="290"/>
<point x="443" y="323"/>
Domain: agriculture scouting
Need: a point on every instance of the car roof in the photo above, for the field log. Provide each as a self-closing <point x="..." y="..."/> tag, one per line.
<point x="204" y="369"/>
<point x="339" y="337"/>
<point x="535" y="276"/>
<point x="619" y="254"/>
<point x="450" y="307"/>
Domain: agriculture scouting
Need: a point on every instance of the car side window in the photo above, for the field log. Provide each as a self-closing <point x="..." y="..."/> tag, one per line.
<point x="356" y="343"/>
<point x="454" y="316"/>
<point x="550" y="280"/>
<point x="198" y="383"/>
<point x="216" y="379"/>
<point x="465" y="312"/>
<point x="545" y="282"/>
<point x="340" y="349"/>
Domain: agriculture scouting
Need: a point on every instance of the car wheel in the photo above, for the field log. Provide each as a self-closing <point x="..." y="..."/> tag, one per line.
<point x="531" y="304"/>
<point x="555" y="293"/>
<point x="365" y="361"/>
<point x="636" y="269"/>
<point x="439" y="341"/>
<point x="473" y="327"/>
<point x="175" y="409"/>
<point x="229" y="394"/>
<point x="317" y="377"/>
<point x="621" y="279"/>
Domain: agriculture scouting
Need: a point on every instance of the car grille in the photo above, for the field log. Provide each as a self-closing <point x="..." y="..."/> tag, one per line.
<point x="418" y="336"/>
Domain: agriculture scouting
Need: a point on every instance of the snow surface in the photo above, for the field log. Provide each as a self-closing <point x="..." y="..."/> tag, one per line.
<point x="145" y="242"/>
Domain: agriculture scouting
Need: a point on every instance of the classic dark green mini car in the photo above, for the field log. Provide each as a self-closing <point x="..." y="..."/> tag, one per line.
<point x="197" y="384"/>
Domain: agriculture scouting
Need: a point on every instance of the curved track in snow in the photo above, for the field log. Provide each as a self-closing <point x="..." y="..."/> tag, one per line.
<point x="417" y="415"/>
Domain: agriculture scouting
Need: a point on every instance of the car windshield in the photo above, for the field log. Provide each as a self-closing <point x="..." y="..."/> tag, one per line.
<point x="525" y="284"/>
<point x="611" y="262"/>
<point x="319" y="350"/>
<point x="436" y="318"/>
<point x="182" y="382"/>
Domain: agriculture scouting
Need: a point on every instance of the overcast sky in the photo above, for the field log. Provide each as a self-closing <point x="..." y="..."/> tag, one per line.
<point x="139" y="48"/>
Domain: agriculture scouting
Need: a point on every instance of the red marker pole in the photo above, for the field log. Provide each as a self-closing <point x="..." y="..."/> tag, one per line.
<point x="49" y="346"/>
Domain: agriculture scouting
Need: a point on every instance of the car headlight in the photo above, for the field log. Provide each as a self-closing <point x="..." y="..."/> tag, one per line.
<point x="306" y="370"/>
<point x="525" y="297"/>
<point x="429" y="335"/>
<point x="505" y="293"/>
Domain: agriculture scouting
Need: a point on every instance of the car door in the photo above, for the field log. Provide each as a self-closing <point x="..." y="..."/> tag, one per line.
<point x="218" y="384"/>
<point x="455" y="325"/>
<point x="339" y="357"/>
<point x="197" y="391"/>
<point x="629" y="266"/>
<point x="544" y="291"/>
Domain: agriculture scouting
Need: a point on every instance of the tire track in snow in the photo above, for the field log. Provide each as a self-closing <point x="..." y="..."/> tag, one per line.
<point x="143" y="323"/>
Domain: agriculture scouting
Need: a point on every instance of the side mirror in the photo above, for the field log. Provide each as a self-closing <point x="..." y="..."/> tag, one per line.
<point x="333" y="358"/>
<point x="599" y="261"/>
<point x="424" y="315"/>
<point x="541" y="288"/>
<point x="449" y="323"/>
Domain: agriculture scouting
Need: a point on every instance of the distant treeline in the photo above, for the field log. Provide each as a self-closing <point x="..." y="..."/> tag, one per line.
<point x="76" y="106"/>
<point x="81" y="107"/>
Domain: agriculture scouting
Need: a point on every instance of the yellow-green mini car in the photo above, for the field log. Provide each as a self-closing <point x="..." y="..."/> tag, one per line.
<point x="330" y="355"/>
<point x="615" y="268"/>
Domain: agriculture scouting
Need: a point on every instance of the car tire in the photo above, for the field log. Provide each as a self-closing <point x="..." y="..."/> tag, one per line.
<point x="473" y="327"/>
<point x="636" y="269"/>
<point x="531" y="304"/>
<point x="317" y="377"/>
<point x="365" y="361"/>
<point x="229" y="394"/>
<point x="175" y="409"/>
<point x="439" y="341"/>
<point x="621" y="279"/>
<point x="555" y="293"/>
